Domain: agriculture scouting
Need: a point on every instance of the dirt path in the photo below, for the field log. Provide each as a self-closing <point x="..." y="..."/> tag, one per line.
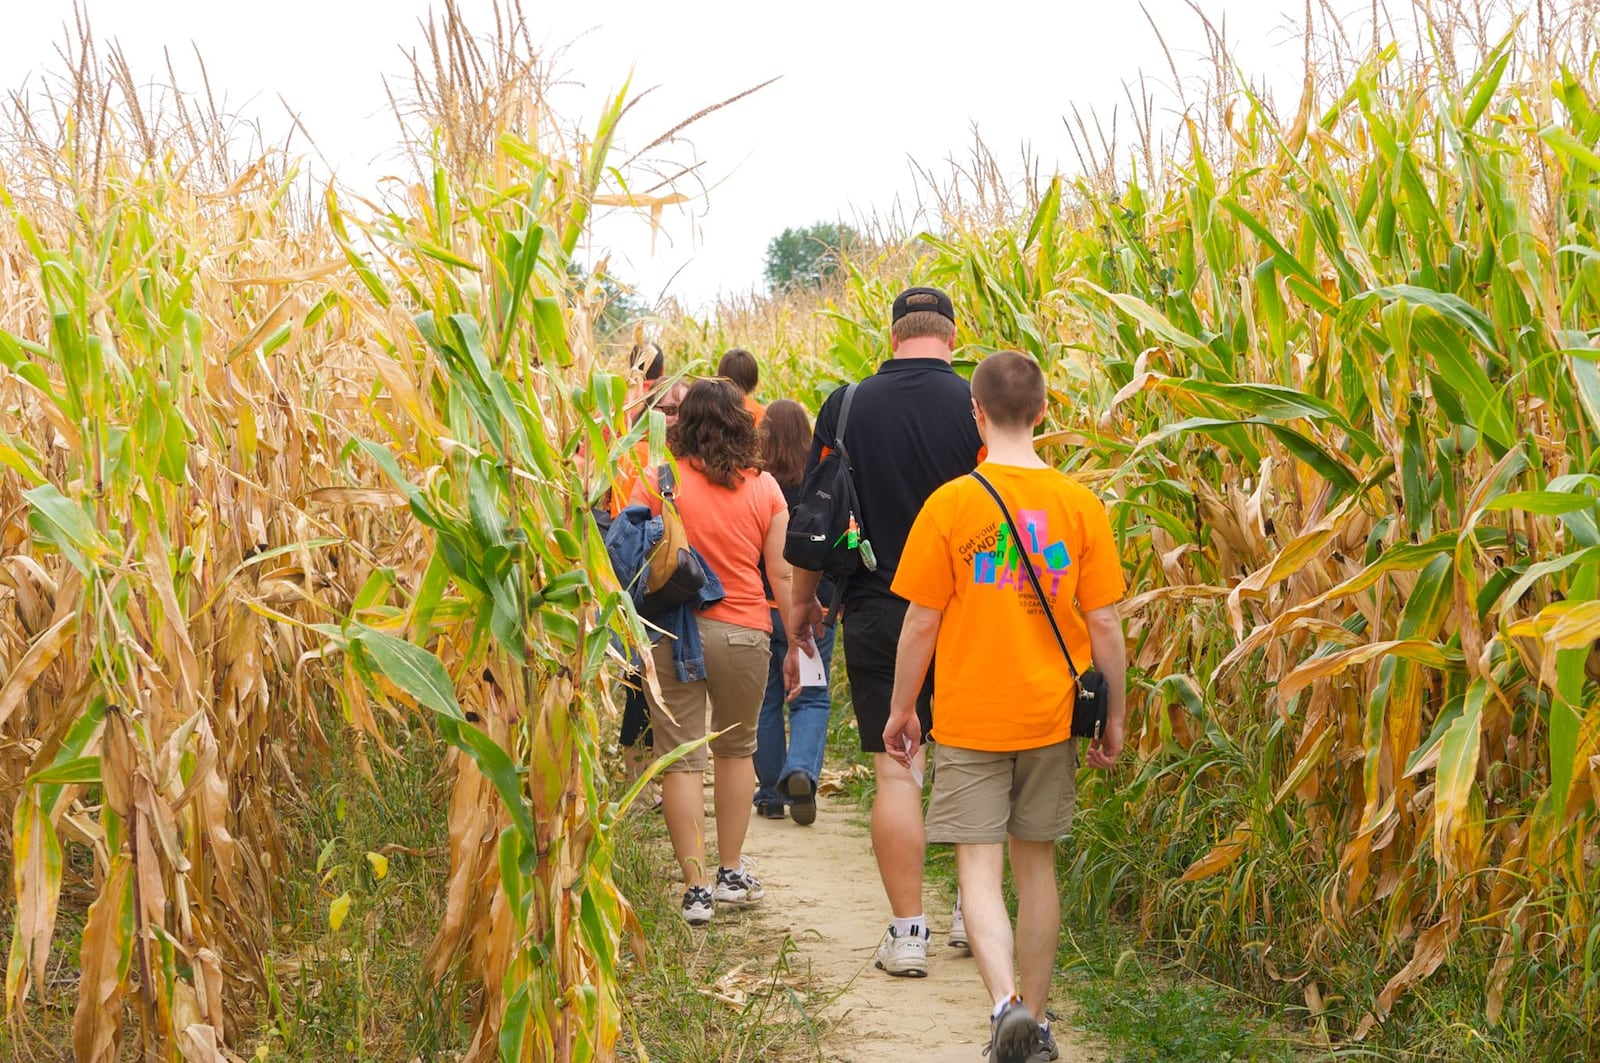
<point x="822" y="886"/>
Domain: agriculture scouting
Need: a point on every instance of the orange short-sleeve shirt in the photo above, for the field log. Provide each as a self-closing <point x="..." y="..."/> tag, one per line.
<point x="1000" y="682"/>
<point x="757" y="411"/>
<point x="629" y="468"/>
<point x="728" y="527"/>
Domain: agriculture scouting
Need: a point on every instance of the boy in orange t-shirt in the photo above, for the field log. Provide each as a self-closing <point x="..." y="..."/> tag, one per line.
<point x="1005" y="762"/>
<point x="739" y="366"/>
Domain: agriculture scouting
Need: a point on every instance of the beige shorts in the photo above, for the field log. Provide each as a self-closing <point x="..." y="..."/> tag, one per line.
<point x="981" y="797"/>
<point x="736" y="679"/>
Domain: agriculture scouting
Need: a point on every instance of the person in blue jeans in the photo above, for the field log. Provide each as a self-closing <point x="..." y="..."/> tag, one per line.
<point x="788" y="765"/>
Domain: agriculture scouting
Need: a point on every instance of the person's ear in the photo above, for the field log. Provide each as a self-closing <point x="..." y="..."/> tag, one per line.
<point x="1039" y="417"/>
<point x="894" y="342"/>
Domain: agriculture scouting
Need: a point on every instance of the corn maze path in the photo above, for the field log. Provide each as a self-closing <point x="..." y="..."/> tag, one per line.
<point x="823" y="889"/>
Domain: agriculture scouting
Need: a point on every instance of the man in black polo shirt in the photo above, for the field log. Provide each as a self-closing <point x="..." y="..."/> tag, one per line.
<point x="911" y="429"/>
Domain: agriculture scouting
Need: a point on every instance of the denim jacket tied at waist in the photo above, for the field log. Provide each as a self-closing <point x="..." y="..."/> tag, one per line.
<point x="629" y="540"/>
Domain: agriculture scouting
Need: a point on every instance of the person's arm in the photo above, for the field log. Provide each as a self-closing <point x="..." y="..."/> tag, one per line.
<point x="781" y="578"/>
<point x="902" y="735"/>
<point x="1110" y="651"/>
<point x="806" y="618"/>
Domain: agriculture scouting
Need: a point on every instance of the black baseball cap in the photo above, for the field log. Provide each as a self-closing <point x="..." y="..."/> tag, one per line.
<point x="916" y="300"/>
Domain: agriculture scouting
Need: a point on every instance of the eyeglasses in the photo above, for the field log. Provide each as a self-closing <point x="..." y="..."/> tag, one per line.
<point x="668" y="408"/>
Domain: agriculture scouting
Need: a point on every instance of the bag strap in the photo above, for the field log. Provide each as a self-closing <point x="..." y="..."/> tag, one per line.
<point x="844" y="419"/>
<point x="850" y="480"/>
<point x="1027" y="566"/>
<point x="666" y="483"/>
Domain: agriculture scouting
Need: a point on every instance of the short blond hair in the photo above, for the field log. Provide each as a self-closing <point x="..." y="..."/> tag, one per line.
<point x="920" y="323"/>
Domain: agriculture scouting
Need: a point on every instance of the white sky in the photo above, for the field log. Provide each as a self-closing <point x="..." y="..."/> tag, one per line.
<point x="866" y="86"/>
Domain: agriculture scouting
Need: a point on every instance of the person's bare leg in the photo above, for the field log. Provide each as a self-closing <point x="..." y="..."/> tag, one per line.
<point x="733" y="781"/>
<point x="1033" y="869"/>
<point x="979" y="870"/>
<point x="897" y="835"/>
<point x="683" y="805"/>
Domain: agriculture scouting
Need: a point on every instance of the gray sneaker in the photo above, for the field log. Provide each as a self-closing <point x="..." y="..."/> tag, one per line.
<point x="1013" y="1034"/>
<point x="1046" y="1052"/>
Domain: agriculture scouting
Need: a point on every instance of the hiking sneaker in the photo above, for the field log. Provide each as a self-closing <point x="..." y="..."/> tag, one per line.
<point x="738" y="885"/>
<point x="802" y="794"/>
<point x="958" y="929"/>
<point x="904" y="957"/>
<point x="697" y="906"/>
<point x="1046" y="1050"/>
<point x="1013" y="1034"/>
<point x="769" y="809"/>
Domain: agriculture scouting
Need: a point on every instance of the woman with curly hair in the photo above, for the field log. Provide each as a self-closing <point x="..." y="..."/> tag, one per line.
<point x="735" y="516"/>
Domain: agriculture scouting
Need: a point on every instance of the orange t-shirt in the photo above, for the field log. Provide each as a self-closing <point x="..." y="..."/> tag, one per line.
<point x="757" y="410"/>
<point x="1000" y="682"/>
<point x="728" y="526"/>
<point x="629" y="467"/>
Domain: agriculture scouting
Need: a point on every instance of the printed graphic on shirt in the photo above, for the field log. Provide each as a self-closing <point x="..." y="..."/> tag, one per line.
<point x="995" y="559"/>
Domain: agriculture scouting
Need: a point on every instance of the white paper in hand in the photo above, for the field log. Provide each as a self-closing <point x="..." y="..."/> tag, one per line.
<point x="812" y="673"/>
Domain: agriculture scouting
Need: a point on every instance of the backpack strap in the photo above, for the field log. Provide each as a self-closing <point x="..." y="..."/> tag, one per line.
<point x="666" y="482"/>
<point x="844" y="419"/>
<point x="849" y="477"/>
<point x="1027" y="566"/>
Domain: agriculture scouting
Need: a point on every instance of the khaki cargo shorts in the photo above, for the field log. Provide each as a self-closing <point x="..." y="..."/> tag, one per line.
<point x="731" y="693"/>
<point x="981" y="797"/>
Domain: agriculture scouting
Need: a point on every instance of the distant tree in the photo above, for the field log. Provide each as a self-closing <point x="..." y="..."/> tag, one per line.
<point x="804" y="258"/>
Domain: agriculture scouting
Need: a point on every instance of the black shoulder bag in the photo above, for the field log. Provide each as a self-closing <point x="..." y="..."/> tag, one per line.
<point x="1089" y="696"/>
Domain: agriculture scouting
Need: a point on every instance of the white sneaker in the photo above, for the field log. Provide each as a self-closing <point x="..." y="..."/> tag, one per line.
<point x="904" y="957"/>
<point x="738" y="885"/>
<point x="697" y="906"/>
<point x="958" y="929"/>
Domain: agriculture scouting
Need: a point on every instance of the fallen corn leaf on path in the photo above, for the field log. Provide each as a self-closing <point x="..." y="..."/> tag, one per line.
<point x="822" y="886"/>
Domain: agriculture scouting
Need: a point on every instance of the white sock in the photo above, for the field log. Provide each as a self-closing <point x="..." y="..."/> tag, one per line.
<point x="1000" y="1004"/>
<point x="1044" y="1027"/>
<point x="917" y="925"/>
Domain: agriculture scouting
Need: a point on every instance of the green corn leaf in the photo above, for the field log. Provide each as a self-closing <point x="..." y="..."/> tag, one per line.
<point x="1147" y="316"/>
<point x="411" y="668"/>
<point x="68" y="772"/>
<point x="423" y="678"/>
<point x="63" y="522"/>
<point x="1572" y="147"/>
<point x="1464" y="379"/>
<point x="1485" y="81"/>
<point x="1326" y="466"/>
<point x="1545" y="503"/>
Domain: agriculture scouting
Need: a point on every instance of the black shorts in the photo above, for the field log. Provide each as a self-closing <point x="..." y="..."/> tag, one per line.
<point x="871" y="638"/>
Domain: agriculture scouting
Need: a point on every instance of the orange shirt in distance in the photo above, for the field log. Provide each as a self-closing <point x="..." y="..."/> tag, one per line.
<point x="757" y="410"/>
<point x="628" y="470"/>
<point x="728" y="527"/>
<point x="1000" y="682"/>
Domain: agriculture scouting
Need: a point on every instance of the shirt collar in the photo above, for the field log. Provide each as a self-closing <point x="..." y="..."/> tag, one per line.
<point x="909" y="365"/>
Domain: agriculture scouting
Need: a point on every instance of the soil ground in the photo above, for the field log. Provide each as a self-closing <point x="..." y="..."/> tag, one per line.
<point x="823" y="888"/>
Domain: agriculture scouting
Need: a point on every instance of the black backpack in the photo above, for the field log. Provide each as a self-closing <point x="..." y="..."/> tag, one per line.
<point x="825" y="533"/>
